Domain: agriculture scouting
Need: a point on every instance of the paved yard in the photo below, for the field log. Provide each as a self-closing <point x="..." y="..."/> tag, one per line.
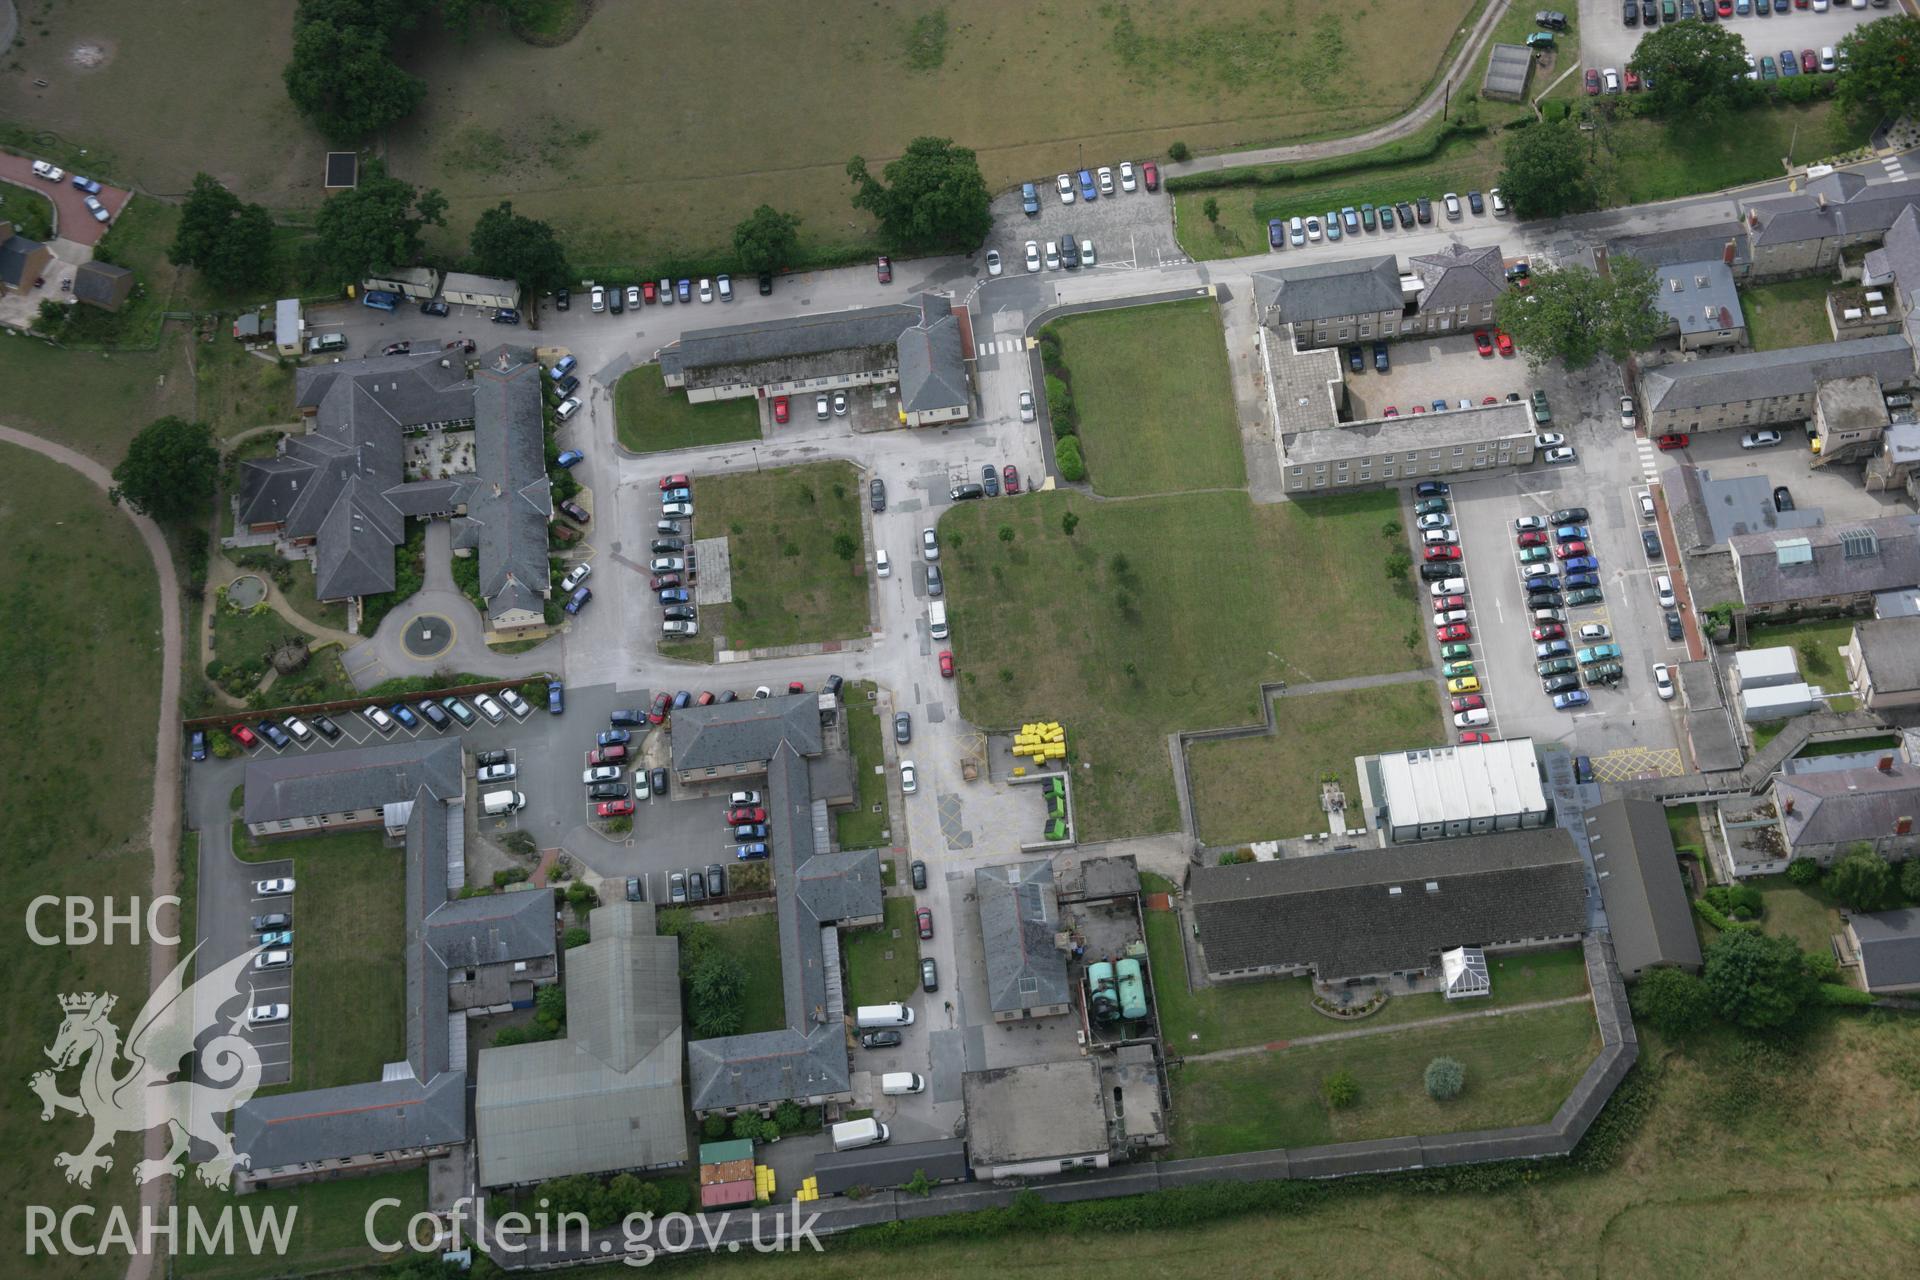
<point x="1423" y="370"/>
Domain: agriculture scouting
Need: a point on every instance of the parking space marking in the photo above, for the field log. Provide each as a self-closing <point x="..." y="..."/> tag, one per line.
<point x="1628" y="763"/>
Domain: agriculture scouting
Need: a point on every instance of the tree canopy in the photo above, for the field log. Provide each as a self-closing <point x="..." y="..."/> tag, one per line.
<point x="523" y="249"/>
<point x="1575" y="315"/>
<point x="1883" y="69"/>
<point x="1673" y="1000"/>
<point x="1547" y="172"/>
<point x="1697" y="67"/>
<point x="376" y="226"/>
<point x="933" y="197"/>
<point x="1863" y="881"/>
<point x="228" y="242"/>
<point x="169" y="471"/>
<point x="1757" y="979"/>
<point x="765" y="239"/>
<point x="342" y="76"/>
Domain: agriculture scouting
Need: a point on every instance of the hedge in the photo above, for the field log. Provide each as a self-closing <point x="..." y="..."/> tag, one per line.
<point x="1394" y="153"/>
<point x="1829" y="993"/>
<point x="1715" y="917"/>
<point x="1066" y="453"/>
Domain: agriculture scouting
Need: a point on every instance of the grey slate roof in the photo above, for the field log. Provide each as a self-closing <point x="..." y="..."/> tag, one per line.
<point x="1853" y="207"/>
<point x="1458" y="276"/>
<point x="1762" y="375"/>
<point x="510" y="501"/>
<point x="429" y="828"/>
<point x="14" y="252"/>
<point x="892" y="1164"/>
<point x="1019" y="915"/>
<point x="761" y="347"/>
<point x="497" y="929"/>
<point x="729" y="733"/>
<point x="933" y="370"/>
<point x="1336" y="912"/>
<point x="1698" y="297"/>
<point x="1324" y="290"/>
<point x="356" y="1119"/>
<point x="1890" y="647"/>
<point x="98" y="282"/>
<point x="1688" y="244"/>
<point x="1642" y="886"/>
<point x="301" y="786"/>
<point x="1889" y="947"/>
<point x="1894" y="563"/>
<point x="1845" y="805"/>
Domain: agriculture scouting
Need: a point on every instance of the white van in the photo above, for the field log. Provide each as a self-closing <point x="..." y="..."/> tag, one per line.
<point x="901" y="1082"/>
<point x="882" y="566"/>
<point x="859" y="1133"/>
<point x="937" y="619"/>
<point x="497" y="803"/>
<point x="869" y="1016"/>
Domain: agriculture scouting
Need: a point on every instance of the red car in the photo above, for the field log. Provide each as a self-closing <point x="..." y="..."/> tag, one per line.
<point x="1593" y="82"/>
<point x="1453" y="631"/>
<point x="1724" y="8"/>
<point x="1532" y="538"/>
<point x="1549" y="631"/>
<point x="1469" y="702"/>
<point x="1474" y="735"/>
<point x="1491" y="400"/>
<point x="705" y="699"/>
<point x="1450" y="602"/>
<point x="1010" y="479"/>
<point x="795" y="686"/>
<point x="659" y="580"/>
<point x="613" y="809"/>
<point x="779" y="408"/>
<point x="677" y="481"/>
<point x="884" y="268"/>
<point x="1574" y="548"/>
<point x="649" y="291"/>
<point x="658" y="714"/>
<point x="244" y="736"/>
<point x="1483" y="343"/>
<point x="1503" y="341"/>
<point x="1673" y="440"/>
<point x="1419" y="408"/>
<point x="608" y="755"/>
<point x="1809" y="61"/>
<point x="924" y="917"/>
<point x="946" y="663"/>
<point x="1444" y="552"/>
<point x="1150" y="174"/>
<point x="745" y="813"/>
<point x="1632" y="79"/>
<point x="1391" y="412"/>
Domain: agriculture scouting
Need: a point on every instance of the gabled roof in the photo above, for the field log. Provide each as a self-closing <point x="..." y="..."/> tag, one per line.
<point x="1889" y="947"/>
<point x="794" y="337"/>
<point x="353" y="1120"/>
<point x="15" y="252"/>
<point x="104" y="284"/>
<point x="1836" y="559"/>
<point x="1839" y="204"/>
<point x="1019" y="915"/>
<point x="301" y="786"/>
<point x="1457" y="276"/>
<point x="1687" y="244"/>
<point x="730" y="733"/>
<point x="1698" y="297"/>
<point x="1324" y="290"/>
<point x="510" y="501"/>
<point x="1376" y="911"/>
<point x="353" y="554"/>
<point x="395" y="391"/>
<point x="496" y="929"/>
<point x="1642" y="886"/>
<point x="1845" y="805"/>
<point x="1763" y="375"/>
<point x="933" y="371"/>
<point x="1890" y="648"/>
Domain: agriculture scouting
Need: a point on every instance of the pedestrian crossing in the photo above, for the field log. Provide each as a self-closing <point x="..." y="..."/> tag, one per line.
<point x="1894" y="168"/>
<point x="1000" y="346"/>
<point x="1649" y="459"/>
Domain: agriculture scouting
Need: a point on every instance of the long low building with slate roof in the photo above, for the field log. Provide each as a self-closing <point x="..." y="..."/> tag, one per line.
<point x="347" y="790"/>
<point x="1643" y="887"/>
<point x="1375" y="912"/>
<point x="1837" y="567"/>
<point x="1763" y="388"/>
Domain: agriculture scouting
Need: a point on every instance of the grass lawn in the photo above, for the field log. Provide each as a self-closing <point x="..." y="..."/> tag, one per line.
<point x="860" y="827"/>
<point x="1154" y="397"/>
<point x="1238" y="1014"/>
<point x="328" y="1231"/>
<point x="241" y="641"/>
<point x="1683" y="823"/>
<point x="883" y="963"/>
<point x="238" y="390"/>
<point x="790" y="583"/>
<point x="1520" y="1068"/>
<point x="30" y="212"/>
<point x="650" y="418"/>
<point x="298" y="585"/>
<point x="1250" y="789"/>
<point x="1817" y="646"/>
<point x="1102" y="630"/>
<point x="1790" y="314"/>
<point x="755" y="942"/>
<point x="66" y="656"/>
<point x="1644" y="160"/>
<point x="1810" y="916"/>
<point x="104" y="399"/>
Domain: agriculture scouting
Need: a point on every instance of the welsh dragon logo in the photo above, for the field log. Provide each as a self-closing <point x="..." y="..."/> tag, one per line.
<point x="159" y="1047"/>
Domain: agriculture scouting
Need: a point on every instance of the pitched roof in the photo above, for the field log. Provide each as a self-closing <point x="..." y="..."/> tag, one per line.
<point x="1838" y="204"/>
<point x="316" y="782"/>
<point x="1890" y="648"/>
<point x="353" y="1120"/>
<point x="1327" y="289"/>
<point x="15" y="252"/>
<point x="1762" y="375"/>
<point x="890" y="1164"/>
<point x="1687" y="244"/>
<point x="1377" y="911"/>
<point x="730" y="733"/>
<point x="1844" y="805"/>
<point x="1457" y="276"/>
<point x="496" y="929"/>
<point x="1780" y="566"/>
<point x="933" y="371"/>
<point x="104" y="284"/>
<point x="1019" y="915"/>
<point x="1642" y="886"/>
<point x="510" y="501"/>
<point x="1889" y="947"/>
<point x="1698" y="297"/>
<point x="794" y="338"/>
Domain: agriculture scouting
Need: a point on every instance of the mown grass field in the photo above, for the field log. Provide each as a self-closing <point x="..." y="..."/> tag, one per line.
<point x="1789" y="314"/>
<point x="1128" y="628"/>
<point x="79" y="682"/>
<point x="649" y="418"/>
<point x="102" y="401"/>
<point x="328" y="1225"/>
<point x="860" y="827"/>
<point x="790" y="584"/>
<point x="881" y="967"/>
<point x="1158" y="424"/>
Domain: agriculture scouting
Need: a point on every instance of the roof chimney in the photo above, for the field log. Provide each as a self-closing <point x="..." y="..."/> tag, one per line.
<point x="1787" y="804"/>
<point x="1886" y="763"/>
<point x="1726" y="254"/>
<point x="1822" y="198"/>
<point x="1726" y="318"/>
<point x="1903" y="826"/>
<point x="1753" y="218"/>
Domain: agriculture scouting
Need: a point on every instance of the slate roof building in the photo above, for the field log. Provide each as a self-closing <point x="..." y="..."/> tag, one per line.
<point x="1887" y="944"/>
<point x="1805" y="231"/>
<point x="920" y="345"/>
<point x="1701" y="304"/>
<point x="1334" y="301"/>
<point x="892" y="1164"/>
<point x="1724" y="242"/>
<point x="1827" y="814"/>
<point x="22" y="261"/>
<point x="348" y="790"/>
<point x="103" y="285"/>
<point x="1763" y="388"/>
<point x="1458" y="286"/>
<point x="1831" y="567"/>
<point x="1642" y="886"/>
<point x="1019" y="924"/>
<point x="1375" y="912"/>
<point x="1883" y="662"/>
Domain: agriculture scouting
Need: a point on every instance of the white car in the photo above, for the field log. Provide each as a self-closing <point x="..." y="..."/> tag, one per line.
<point x="1646" y="505"/>
<point x="1126" y="176"/>
<point x="1033" y="255"/>
<point x="1535" y="570"/>
<point x="261" y="1015"/>
<point x="1610" y="80"/>
<point x="882" y="564"/>
<point x="298" y="728"/>
<point x="1313" y="230"/>
<point x="1065" y="183"/>
<point x="597" y="300"/>
<point x="273" y="888"/>
<point x="273" y="959"/>
<point x="706" y="290"/>
<point x="993" y="262"/>
<point x="1444" y="616"/>
<point x="680" y="628"/>
<point x="1296" y="231"/>
<point x="1548" y="440"/>
<point x="1528" y="524"/>
<point x="1448" y="587"/>
<point x="515" y="704"/>
<point x="1435" y="520"/>
<point x="1027" y="411"/>
<point x="930" y="544"/>
<point x="601" y="773"/>
<point x="52" y="173"/>
<point x="496" y="773"/>
<point x="1594" y="631"/>
<point x="1452" y="201"/>
<point x="575" y="576"/>
<point x="567" y="408"/>
<point x="744" y="797"/>
<point x="1663" y="591"/>
<point x="1438" y="537"/>
<point x="1053" y="256"/>
<point x="642" y="789"/>
<point x="1627" y="414"/>
<point x="666" y="564"/>
<point x="909" y="778"/>
<point x="379" y="719"/>
<point x="1753" y="68"/>
<point x="676" y="510"/>
<point x="762" y="692"/>
<point x="1760" y="439"/>
<point x="1106" y="180"/>
<point x="633" y="297"/>
<point x="820" y="407"/>
<point x="1474" y="719"/>
<point x="1563" y="454"/>
<point x="1499" y="203"/>
<point x="1663" y="681"/>
<point x="489" y="708"/>
<point x="1086" y="253"/>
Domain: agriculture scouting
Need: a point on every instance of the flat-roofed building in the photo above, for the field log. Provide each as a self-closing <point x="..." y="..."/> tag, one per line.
<point x="1437" y="793"/>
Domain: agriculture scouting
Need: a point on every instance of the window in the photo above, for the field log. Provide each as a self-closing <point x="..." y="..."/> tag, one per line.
<point x="1366" y="331"/>
<point x="712" y="771"/>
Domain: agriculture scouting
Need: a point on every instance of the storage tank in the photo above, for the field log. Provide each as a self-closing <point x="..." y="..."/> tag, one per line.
<point x="1133" y="989"/>
<point x="1103" y="997"/>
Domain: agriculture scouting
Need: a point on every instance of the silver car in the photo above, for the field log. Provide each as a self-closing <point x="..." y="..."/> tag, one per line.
<point x="1026" y="406"/>
<point x="929" y="544"/>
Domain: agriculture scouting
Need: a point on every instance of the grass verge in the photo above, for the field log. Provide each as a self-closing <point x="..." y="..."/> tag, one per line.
<point x="328" y="1233"/>
<point x="860" y="827"/>
<point x="794" y="541"/>
<point x="650" y="418"/>
<point x="883" y="963"/>
<point x="1790" y="314"/>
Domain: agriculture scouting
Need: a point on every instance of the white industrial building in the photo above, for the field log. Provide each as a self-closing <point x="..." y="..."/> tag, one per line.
<point x="1778" y="701"/>
<point x="479" y="291"/>
<point x="1765" y="668"/>
<point x="1437" y="793"/>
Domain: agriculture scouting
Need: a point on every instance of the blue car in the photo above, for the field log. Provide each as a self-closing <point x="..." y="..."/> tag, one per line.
<point x="1432" y="489"/>
<point x="746" y="852"/>
<point x="563" y="368"/>
<point x="1088" y="191"/>
<point x="682" y="699"/>
<point x="1789" y="63"/>
<point x="1276" y="232"/>
<point x="380" y="299"/>
<point x="610" y="736"/>
<point x="404" y="714"/>
<point x="506" y="315"/>
<point x="1029" y="199"/>
<point x="1576" y="581"/>
<point x="275" y="734"/>
<point x="1333" y="225"/>
<point x="1572" y="533"/>
<point x="674" y="595"/>
<point x="668" y="496"/>
<point x="685" y="290"/>
<point x="570" y="458"/>
<point x="579" y="600"/>
<point x="1439" y="406"/>
<point x="277" y="938"/>
<point x="750" y="831"/>
<point x="1580" y="564"/>
<point x="556" y="697"/>
<point x="1568" y="701"/>
<point x="197" y="745"/>
<point x="87" y="185"/>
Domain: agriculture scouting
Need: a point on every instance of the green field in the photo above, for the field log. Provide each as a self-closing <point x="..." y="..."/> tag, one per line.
<point x="1520" y="1068"/>
<point x="1154" y="397"/>
<point x="755" y="942"/>
<point x="860" y="827"/>
<point x="29" y="212"/>
<point x="1247" y="789"/>
<point x="328" y="1225"/>
<point x="1817" y="648"/>
<point x="68" y="654"/>
<point x="104" y="399"/>
<point x="1790" y="314"/>
<point x="650" y="418"/>
<point x="1050" y="627"/>
<point x="238" y="390"/>
<point x="883" y="963"/>
<point x="790" y="583"/>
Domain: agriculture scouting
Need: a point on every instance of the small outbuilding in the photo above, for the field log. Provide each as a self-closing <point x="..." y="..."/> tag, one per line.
<point x="480" y="291"/>
<point x="1507" y="73"/>
<point x="103" y="285"/>
<point x="1464" y="971"/>
<point x="286" y="326"/>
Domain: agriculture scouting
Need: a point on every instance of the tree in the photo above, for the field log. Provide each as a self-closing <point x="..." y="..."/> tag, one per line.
<point x="845" y="547"/>
<point x="1698" y="69"/>
<point x="524" y="249"/>
<point x="1673" y="1000"/>
<point x="574" y="936"/>
<point x="1066" y="454"/>
<point x="1070" y="521"/>
<point x="1445" y="1079"/>
<point x="1756" y="979"/>
<point x="1340" y="1089"/>
<point x="1803" y="871"/>
<point x="1574" y="315"/>
<point x="1883" y="69"/>
<point x="1863" y="881"/>
<point x="715" y="987"/>
<point x="228" y="242"/>
<point x="376" y="226"/>
<point x="342" y="76"/>
<point x="1910" y="879"/>
<point x="933" y="198"/>
<point x="765" y="240"/>
<point x="1211" y="208"/>
<point x="459" y="14"/>
<point x="1547" y="171"/>
<point x="169" y="471"/>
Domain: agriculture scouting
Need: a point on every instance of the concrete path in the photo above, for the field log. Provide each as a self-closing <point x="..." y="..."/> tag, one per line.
<point x="163" y="821"/>
<point x="1355" y="682"/>
<point x="1356" y="1033"/>
<point x="1392" y="131"/>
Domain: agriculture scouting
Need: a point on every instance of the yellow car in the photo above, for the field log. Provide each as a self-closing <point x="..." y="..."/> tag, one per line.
<point x="1465" y="684"/>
